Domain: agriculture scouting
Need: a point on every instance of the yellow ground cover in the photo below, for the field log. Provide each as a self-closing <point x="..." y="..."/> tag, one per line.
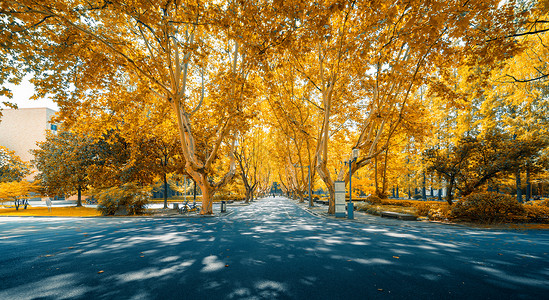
<point x="55" y="212"/>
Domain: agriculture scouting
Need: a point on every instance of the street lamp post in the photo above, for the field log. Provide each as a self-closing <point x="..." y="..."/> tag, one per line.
<point x="350" y="208"/>
<point x="309" y="176"/>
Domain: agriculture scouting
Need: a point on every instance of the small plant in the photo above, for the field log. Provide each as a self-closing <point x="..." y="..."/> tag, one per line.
<point x="487" y="207"/>
<point x="129" y="196"/>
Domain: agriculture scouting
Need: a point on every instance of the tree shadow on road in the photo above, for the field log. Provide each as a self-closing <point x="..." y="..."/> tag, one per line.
<point x="270" y="250"/>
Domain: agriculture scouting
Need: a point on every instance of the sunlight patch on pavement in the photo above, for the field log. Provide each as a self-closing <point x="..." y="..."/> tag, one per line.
<point x="401" y="235"/>
<point x="512" y="278"/>
<point x="169" y="259"/>
<point x="357" y="243"/>
<point x="333" y="241"/>
<point x="374" y="230"/>
<point x="309" y="280"/>
<point x="153" y="272"/>
<point x="55" y="287"/>
<point x="363" y="261"/>
<point x="211" y="264"/>
<point x="240" y="293"/>
<point x="171" y="238"/>
<point x="270" y="289"/>
<point x="252" y="262"/>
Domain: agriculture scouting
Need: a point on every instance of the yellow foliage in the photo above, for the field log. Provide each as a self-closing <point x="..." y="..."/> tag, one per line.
<point x="10" y="191"/>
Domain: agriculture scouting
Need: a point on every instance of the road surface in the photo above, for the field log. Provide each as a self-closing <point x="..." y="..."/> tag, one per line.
<point x="271" y="249"/>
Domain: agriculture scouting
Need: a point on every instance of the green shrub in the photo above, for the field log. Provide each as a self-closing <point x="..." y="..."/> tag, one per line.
<point x="487" y="207"/>
<point x="129" y="195"/>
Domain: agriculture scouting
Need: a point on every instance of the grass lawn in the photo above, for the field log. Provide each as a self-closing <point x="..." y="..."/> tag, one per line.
<point x="55" y="212"/>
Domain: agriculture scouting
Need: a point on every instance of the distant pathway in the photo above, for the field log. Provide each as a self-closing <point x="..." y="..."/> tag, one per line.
<point x="271" y="249"/>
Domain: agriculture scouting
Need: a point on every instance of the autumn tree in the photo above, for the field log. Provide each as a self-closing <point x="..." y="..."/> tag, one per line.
<point x="473" y="161"/>
<point x="17" y="191"/>
<point x="12" y="168"/>
<point x="63" y="160"/>
<point x="250" y="156"/>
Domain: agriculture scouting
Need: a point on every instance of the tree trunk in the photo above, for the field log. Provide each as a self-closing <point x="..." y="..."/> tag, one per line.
<point x="323" y="173"/>
<point x="519" y="191"/>
<point x="528" y="185"/>
<point x="375" y="177"/>
<point x="207" y="195"/>
<point x="449" y="191"/>
<point x="165" y="191"/>
<point x="194" y="190"/>
<point x="79" y="200"/>
<point x="423" y="189"/>
<point x="248" y="194"/>
<point x="384" y="178"/>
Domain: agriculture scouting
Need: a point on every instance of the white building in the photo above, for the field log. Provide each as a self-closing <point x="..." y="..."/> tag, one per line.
<point x="21" y="129"/>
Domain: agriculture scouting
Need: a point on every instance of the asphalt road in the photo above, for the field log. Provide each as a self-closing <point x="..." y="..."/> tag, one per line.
<point x="271" y="249"/>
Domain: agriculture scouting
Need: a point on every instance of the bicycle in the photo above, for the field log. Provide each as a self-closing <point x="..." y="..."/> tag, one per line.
<point x="189" y="208"/>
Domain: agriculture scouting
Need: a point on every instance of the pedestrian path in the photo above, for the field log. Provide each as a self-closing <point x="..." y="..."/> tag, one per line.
<point x="362" y="217"/>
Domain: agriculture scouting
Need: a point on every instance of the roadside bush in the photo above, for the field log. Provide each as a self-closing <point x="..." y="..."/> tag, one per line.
<point x="129" y="196"/>
<point x="225" y="196"/>
<point x="404" y="203"/>
<point x="422" y="209"/>
<point x="487" y="207"/>
<point x="436" y="211"/>
<point x="372" y="209"/>
<point x="440" y="212"/>
<point x="374" y="199"/>
<point x="537" y="213"/>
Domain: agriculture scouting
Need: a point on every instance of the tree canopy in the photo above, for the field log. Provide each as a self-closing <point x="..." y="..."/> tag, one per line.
<point x="390" y="78"/>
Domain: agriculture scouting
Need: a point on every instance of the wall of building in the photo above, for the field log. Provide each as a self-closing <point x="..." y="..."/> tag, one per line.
<point x="21" y="129"/>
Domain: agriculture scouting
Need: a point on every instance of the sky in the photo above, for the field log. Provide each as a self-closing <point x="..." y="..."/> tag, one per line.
<point x="22" y="93"/>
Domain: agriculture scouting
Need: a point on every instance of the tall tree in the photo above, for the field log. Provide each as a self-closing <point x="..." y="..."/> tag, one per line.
<point x="12" y="168"/>
<point x="63" y="160"/>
